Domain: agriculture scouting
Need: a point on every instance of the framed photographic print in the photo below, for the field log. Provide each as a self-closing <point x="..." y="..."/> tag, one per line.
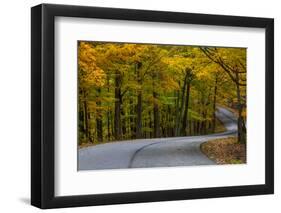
<point x="140" y="106"/>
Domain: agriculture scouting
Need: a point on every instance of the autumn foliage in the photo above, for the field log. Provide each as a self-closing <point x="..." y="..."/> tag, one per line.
<point x="130" y="91"/>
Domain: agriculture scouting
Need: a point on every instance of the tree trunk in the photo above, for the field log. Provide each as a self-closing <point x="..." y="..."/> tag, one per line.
<point x="185" y="115"/>
<point x="132" y="119"/>
<point x="139" y="116"/>
<point x="99" y="130"/>
<point x="123" y="119"/>
<point x="99" y="119"/>
<point x="241" y="132"/>
<point x="177" y="117"/>
<point x="108" y="115"/>
<point x="81" y="118"/>
<point x="87" y="132"/>
<point x="150" y="124"/>
<point x="215" y="104"/>
<point x="117" y="109"/>
<point x="108" y="125"/>
<point x="156" y="117"/>
<point x="182" y="102"/>
<point x="139" y="104"/>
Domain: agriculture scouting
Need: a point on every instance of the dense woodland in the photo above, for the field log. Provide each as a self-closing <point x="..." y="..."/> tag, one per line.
<point x="131" y="91"/>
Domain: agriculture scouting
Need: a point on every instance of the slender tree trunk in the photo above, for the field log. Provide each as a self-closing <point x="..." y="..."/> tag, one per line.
<point x="170" y="120"/>
<point x="156" y="117"/>
<point x="185" y="115"/>
<point x="139" y="104"/>
<point x="199" y="127"/>
<point x="81" y="117"/>
<point x="139" y="116"/>
<point x="132" y="119"/>
<point x="182" y="103"/>
<point x="241" y="132"/>
<point x="99" y="119"/>
<point x="177" y="117"/>
<point x="191" y="128"/>
<point x="150" y="124"/>
<point x="117" y="109"/>
<point x="204" y="124"/>
<point x="86" y="119"/>
<point x="215" y="104"/>
<point x="99" y="130"/>
<point x="108" y="126"/>
<point x="123" y="119"/>
<point x="87" y="132"/>
<point x="108" y="114"/>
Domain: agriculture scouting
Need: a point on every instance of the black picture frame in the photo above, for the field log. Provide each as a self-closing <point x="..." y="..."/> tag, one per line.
<point x="43" y="102"/>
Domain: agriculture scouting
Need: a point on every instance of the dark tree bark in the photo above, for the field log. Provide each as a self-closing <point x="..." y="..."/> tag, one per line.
<point x="99" y="130"/>
<point x="156" y="117"/>
<point x="215" y="104"/>
<point x="198" y="129"/>
<point x="139" y="116"/>
<point x="117" y="108"/>
<point x="132" y="119"/>
<point x="86" y="117"/>
<point x="108" y="115"/>
<point x="170" y="122"/>
<point x="139" y="103"/>
<point x="81" y="117"/>
<point x="150" y="124"/>
<point x="182" y="103"/>
<point x="240" y="122"/>
<point x="187" y="94"/>
<point x="185" y="115"/>
<point x="99" y="119"/>
<point x="203" y="124"/>
<point x="190" y="127"/>
<point x="123" y="118"/>
<point x="108" y="126"/>
<point x="177" y="117"/>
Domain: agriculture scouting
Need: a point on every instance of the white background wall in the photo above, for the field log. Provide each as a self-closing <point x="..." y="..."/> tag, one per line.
<point x="15" y="105"/>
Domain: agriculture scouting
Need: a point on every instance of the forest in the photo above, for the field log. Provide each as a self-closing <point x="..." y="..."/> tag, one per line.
<point x="136" y="91"/>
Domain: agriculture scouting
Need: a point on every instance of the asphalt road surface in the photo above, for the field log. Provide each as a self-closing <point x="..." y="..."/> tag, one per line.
<point x="158" y="152"/>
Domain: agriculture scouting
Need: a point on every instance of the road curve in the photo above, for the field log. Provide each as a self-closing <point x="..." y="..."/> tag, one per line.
<point x="157" y="152"/>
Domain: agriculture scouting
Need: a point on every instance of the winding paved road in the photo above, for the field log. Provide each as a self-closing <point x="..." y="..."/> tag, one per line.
<point x="159" y="152"/>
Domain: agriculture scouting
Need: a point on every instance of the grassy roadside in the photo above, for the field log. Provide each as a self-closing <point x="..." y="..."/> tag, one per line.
<point x="84" y="145"/>
<point x="225" y="151"/>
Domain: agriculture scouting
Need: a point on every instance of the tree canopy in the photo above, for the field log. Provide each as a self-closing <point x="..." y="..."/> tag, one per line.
<point x="130" y="91"/>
